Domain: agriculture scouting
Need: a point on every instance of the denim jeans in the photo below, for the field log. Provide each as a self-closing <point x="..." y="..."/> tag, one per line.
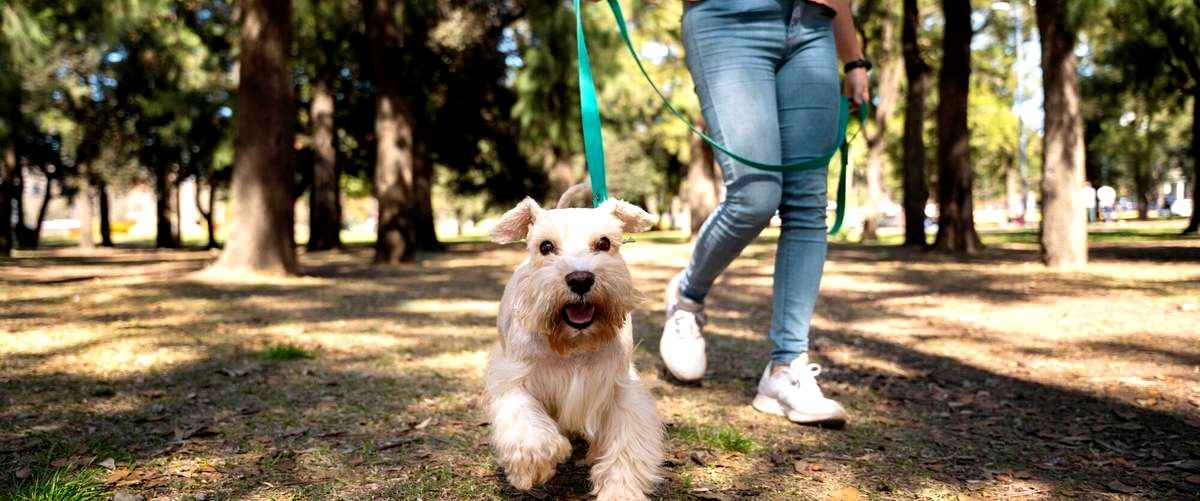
<point x="767" y="77"/>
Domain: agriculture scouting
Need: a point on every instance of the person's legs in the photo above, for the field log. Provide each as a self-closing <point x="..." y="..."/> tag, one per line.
<point x="807" y="91"/>
<point x="733" y="52"/>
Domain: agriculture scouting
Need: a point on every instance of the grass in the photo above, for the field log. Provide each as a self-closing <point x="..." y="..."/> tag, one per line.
<point x="724" y="438"/>
<point x="61" y="485"/>
<point x="284" y="353"/>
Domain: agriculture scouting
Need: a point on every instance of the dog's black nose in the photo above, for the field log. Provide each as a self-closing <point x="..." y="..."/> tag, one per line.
<point x="580" y="281"/>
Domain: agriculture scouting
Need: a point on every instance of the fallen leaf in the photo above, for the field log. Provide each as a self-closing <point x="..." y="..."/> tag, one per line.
<point x="60" y="462"/>
<point x="846" y="494"/>
<point x="815" y="467"/>
<point x="109" y="463"/>
<point x="292" y="432"/>
<point x="126" y="496"/>
<point x="698" y="457"/>
<point x="778" y="458"/>
<point x="1193" y="479"/>
<point x="24" y="472"/>
<point x="356" y="460"/>
<point x="1192" y="465"/>
<point x="1118" y="486"/>
<point x="195" y="432"/>
<point x="117" y="475"/>
<point x="423" y="424"/>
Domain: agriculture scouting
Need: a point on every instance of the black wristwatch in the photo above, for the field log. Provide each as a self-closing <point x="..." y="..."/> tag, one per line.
<point x="855" y="64"/>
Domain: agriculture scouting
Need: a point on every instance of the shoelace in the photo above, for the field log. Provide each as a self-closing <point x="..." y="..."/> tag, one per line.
<point x="697" y="318"/>
<point x="804" y="374"/>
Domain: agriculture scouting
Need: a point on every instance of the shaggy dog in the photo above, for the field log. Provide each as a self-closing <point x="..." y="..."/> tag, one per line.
<point x="564" y="361"/>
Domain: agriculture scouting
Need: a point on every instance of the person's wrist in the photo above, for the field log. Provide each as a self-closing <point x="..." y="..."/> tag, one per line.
<point x="857" y="64"/>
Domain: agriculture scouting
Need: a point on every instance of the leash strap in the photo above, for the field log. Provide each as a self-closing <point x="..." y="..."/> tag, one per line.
<point x="593" y="140"/>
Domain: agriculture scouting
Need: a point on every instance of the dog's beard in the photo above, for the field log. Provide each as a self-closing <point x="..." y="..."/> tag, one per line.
<point x="570" y="321"/>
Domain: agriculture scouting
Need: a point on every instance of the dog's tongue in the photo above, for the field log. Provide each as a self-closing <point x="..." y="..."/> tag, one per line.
<point x="580" y="313"/>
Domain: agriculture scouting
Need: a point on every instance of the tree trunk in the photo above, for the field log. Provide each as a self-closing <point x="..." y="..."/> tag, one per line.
<point x="209" y="226"/>
<point x="1064" y="219"/>
<point x="396" y="234"/>
<point x="1142" y="183"/>
<point x="33" y="236"/>
<point x="426" y="229"/>
<point x="262" y="233"/>
<point x="164" y="231"/>
<point x="1194" y="222"/>
<point x="324" y="212"/>
<point x="888" y="94"/>
<point x="702" y="186"/>
<point x="101" y="189"/>
<point x="557" y="164"/>
<point x="8" y="169"/>
<point x="85" y="216"/>
<point x="916" y="192"/>
<point x="956" y="220"/>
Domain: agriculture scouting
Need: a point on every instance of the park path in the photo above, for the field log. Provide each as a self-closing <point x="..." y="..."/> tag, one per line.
<point x="986" y="377"/>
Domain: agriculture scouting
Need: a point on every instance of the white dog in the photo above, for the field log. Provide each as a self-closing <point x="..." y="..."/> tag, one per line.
<point x="564" y="361"/>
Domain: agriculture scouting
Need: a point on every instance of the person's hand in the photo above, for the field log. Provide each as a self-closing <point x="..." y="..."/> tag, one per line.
<point x="855" y="86"/>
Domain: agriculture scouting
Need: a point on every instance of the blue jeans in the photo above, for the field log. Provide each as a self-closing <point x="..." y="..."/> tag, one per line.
<point x="766" y="73"/>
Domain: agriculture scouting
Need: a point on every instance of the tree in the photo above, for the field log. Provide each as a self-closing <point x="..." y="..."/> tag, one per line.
<point x="956" y="220"/>
<point x="916" y="70"/>
<point x="325" y="211"/>
<point x="396" y="233"/>
<point x="887" y="92"/>
<point x="702" y="186"/>
<point x="261" y="239"/>
<point x="1064" y="222"/>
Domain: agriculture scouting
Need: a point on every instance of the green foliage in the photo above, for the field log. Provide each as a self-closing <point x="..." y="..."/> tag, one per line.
<point x="61" y="485"/>
<point x="284" y="353"/>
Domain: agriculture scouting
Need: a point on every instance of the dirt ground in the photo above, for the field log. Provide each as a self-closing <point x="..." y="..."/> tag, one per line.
<point x="987" y="377"/>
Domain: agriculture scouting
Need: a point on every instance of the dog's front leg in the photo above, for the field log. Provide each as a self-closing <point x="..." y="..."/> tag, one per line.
<point x="527" y="442"/>
<point x="627" y="451"/>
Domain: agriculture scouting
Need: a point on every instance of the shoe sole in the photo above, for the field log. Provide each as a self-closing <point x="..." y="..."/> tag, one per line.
<point x="770" y="405"/>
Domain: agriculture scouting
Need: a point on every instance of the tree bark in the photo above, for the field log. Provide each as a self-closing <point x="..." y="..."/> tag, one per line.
<point x="956" y="220"/>
<point x="164" y="237"/>
<point x="916" y="191"/>
<point x="395" y="234"/>
<point x="557" y="164"/>
<point x="33" y="236"/>
<point x="1064" y="219"/>
<point x="209" y="223"/>
<point x="426" y="238"/>
<point x="324" y="213"/>
<point x="85" y="216"/>
<point x="1194" y="222"/>
<point x="888" y="94"/>
<point x="702" y="186"/>
<point x="101" y="189"/>
<point x="262" y="233"/>
<point x="8" y="169"/>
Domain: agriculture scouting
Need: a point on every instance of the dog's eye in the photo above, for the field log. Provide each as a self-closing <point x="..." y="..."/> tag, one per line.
<point x="602" y="245"/>
<point x="546" y="247"/>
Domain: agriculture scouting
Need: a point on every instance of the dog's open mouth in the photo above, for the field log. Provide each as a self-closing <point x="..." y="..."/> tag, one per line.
<point x="579" y="315"/>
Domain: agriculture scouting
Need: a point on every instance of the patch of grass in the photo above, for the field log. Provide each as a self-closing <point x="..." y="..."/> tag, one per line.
<point x="284" y="352"/>
<point x="722" y="437"/>
<point x="61" y="485"/>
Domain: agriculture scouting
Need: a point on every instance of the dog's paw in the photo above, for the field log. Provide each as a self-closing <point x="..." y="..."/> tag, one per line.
<point x="616" y="491"/>
<point x="532" y="463"/>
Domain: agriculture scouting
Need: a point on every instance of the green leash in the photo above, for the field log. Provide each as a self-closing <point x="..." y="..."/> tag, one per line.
<point x="593" y="140"/>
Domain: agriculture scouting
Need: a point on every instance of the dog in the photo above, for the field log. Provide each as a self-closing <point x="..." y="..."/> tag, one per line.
<point x="563" y="364"/>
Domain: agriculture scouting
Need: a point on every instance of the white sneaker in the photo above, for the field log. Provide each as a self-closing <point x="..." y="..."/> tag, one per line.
<point x="793" y="393"/>
<point x="682" y="343"/>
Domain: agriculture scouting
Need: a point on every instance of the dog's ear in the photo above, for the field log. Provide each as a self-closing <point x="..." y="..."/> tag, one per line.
<point x="514" y="224"/>
<point x="633" y="218"/>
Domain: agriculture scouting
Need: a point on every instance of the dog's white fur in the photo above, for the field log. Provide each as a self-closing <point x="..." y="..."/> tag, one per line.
<point x="546" y="378"/>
